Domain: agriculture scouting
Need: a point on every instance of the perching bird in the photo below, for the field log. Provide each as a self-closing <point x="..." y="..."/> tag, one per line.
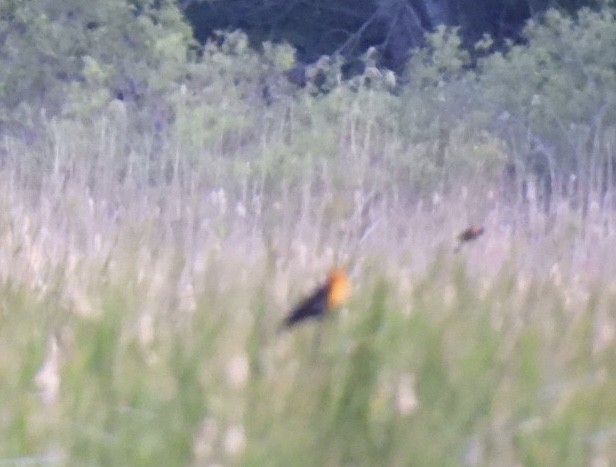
<point x="324" y="299"/>
<point x="468" y="235"/>
<point x="471" y="233"/>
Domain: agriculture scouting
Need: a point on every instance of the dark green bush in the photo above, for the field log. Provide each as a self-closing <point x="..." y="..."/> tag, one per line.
<point x="69" y="57"/>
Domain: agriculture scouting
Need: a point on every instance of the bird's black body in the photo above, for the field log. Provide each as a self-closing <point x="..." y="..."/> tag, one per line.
<point x="468" y="235"/>
<point x="314" y="306"/>
<point x="472" y="233"/>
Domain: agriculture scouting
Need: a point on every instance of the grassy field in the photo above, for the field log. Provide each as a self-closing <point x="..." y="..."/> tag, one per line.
<point x="138" y="322"/>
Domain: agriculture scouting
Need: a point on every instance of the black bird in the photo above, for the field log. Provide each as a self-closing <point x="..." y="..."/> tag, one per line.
<point x="324" y="299"/>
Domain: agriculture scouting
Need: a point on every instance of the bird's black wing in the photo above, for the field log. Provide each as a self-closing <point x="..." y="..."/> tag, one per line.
<point x="466" y="235"/>
<point x="314" y="306"/>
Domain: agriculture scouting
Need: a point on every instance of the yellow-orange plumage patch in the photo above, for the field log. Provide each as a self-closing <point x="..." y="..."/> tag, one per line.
<point x="339" y="288"/>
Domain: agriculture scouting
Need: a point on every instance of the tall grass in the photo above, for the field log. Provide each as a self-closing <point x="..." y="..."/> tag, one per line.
<point x="142" y="287"/>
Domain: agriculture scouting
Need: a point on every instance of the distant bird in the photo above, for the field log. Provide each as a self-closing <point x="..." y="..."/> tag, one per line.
<point x="468" y="235"/>
<point x="333" y="294"/>
<point x="473" y="232"/>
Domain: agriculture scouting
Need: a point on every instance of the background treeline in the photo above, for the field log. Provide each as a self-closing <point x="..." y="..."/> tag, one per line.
<point x="532" y="118"/>
<point x="349" y="28"/>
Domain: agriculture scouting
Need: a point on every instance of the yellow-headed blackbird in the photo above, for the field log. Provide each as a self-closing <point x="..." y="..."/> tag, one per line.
<point x="470" y="234"/>
<point x="325" y="298"/>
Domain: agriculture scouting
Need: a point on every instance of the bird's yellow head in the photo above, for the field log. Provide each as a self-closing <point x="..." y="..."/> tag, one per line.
<point x="339" y="288"/>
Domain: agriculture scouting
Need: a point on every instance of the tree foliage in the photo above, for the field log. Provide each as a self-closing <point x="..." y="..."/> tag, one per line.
<point x="451" y="116"/>
<point x="557" y="93"/>
<point x="71" y="55"/>
<point x="350" y="27"/>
